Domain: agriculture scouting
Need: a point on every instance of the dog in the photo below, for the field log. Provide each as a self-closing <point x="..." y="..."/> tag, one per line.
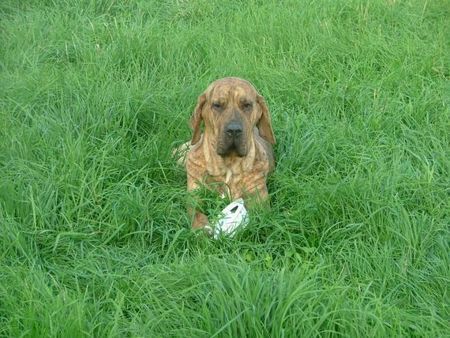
<point x="234" y="153"/>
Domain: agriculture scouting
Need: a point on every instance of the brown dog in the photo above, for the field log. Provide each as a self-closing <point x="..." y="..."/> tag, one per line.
<point x="234" y="153"/>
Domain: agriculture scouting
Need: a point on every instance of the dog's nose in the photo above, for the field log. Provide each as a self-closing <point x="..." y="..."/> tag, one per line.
<point x="234" y="129"/>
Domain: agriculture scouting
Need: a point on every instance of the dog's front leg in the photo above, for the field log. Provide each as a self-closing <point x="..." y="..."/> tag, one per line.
<point x="198" y="219"/>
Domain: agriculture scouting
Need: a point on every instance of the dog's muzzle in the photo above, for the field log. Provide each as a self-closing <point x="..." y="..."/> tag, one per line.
<point x="234" y="130"/>
<point x="233" y="140"/>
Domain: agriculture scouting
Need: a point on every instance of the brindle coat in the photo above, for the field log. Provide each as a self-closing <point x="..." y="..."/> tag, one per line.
<point x="236" y="146"/>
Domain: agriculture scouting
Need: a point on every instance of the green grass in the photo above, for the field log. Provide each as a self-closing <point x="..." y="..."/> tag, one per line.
<point x="94" y="237"/>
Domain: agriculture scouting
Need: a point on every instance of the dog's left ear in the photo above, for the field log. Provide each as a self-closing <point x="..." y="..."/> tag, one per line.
<point x="265" y="124"/>
<point x="197" y="118"/>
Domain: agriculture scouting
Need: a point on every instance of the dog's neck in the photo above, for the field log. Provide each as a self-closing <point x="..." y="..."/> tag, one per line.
<point x="229" y="165"/>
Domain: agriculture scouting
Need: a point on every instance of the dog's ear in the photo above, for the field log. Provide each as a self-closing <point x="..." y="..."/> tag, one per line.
<point x="197" y="118"/>
<point x="265" y="124"/>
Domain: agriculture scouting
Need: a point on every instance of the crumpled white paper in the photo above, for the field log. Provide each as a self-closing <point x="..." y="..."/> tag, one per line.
<point x="234" y="216"/>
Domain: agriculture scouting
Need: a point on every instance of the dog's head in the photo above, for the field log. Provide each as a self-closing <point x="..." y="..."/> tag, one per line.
<point x="231" y="108"/>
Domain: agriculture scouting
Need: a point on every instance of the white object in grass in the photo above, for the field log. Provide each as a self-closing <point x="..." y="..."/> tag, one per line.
<point x="233" y="216"/>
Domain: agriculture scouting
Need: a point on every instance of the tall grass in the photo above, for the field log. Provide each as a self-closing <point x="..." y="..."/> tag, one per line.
<point x="94" y="237"/>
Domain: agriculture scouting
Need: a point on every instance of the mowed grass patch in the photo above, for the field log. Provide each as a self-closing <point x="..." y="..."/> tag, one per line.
<point x="94" y="236"/>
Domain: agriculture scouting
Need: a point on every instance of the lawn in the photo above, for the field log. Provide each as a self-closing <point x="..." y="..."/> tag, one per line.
<point x="94" y="236"/>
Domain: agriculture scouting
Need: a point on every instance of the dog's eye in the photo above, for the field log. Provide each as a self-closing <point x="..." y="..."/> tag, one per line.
<point x="217" y="105"/>
<point x="247" y="106"/>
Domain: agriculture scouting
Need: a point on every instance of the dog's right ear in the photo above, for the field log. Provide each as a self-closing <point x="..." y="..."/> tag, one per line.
<point x="265" y="123"/>
<point x="196" y="119"/>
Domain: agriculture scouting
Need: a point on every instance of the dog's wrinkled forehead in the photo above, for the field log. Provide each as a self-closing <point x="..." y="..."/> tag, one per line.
<point x="231" y="89"/>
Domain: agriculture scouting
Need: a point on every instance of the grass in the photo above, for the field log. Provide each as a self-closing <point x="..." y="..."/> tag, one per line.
<point x="94" y="237"/>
